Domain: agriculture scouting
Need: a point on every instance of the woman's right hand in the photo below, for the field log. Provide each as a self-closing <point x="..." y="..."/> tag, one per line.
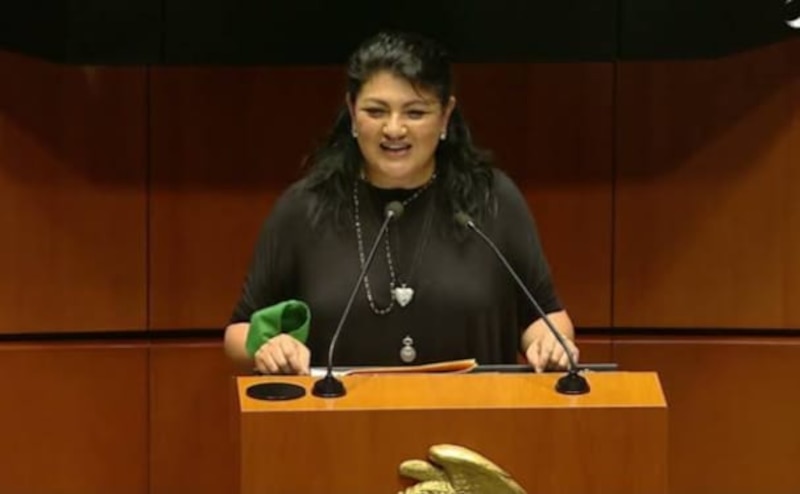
<point x="283" y="354"/>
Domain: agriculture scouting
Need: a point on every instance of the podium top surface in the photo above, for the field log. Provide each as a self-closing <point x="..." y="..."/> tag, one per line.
<point x="462" y="391"/>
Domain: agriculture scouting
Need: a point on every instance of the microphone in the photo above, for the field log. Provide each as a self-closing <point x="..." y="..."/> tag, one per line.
<point x="329" y="386"/>
<point x="572" y="383"/>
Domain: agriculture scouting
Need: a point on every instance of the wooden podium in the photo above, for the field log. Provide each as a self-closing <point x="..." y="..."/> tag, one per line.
<point x="612" y="440"/>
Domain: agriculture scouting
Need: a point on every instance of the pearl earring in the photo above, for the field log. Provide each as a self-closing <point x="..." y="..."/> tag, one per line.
<point x="443" y="135"/>
<point x="354" y="132"/>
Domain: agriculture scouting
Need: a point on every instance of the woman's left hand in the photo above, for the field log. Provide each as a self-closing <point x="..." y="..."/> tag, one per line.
<point x="544" y="351"/>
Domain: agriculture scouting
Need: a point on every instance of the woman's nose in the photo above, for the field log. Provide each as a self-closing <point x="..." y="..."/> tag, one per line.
<point x="394" y="127"/>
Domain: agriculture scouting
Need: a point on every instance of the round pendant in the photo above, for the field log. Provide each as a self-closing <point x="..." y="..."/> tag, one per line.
<point x="408" y="354"/>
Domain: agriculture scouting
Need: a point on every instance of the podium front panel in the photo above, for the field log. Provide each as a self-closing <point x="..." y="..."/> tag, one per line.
<point x="611" y="440"/>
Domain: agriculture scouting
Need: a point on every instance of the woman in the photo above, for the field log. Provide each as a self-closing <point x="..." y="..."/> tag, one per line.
<point x="434" y="291"/>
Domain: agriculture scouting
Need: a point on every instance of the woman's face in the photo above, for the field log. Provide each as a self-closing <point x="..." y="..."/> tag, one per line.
<point x="398" y="128"/>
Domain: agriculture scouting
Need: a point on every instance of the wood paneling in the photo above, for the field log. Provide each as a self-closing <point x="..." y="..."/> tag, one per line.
<point x="708" y="192"/>
<point x="225" y="144"/>
<point x="732" y="411"/>
<point x="192" y="447"/>
<point x="73" y="419"/>
<point x="595" y="349"/>
<point x="550" y="127"/>
<point x="72" y="197"/>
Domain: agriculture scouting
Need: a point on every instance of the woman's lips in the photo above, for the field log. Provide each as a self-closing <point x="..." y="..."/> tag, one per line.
<point x="396" y="149"/>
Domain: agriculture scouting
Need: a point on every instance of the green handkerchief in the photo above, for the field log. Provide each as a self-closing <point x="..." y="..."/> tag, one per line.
<point x="291" y="316"/>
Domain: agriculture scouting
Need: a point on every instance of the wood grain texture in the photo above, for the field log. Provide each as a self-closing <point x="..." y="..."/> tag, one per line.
<point x="732" y="411"/>
<point x="550" y="127"/>
<point x="595" y="349"/>
<point x="708" y="192"/>
<point x="615" y="436"/>
<point x="73" y="418"/>
<point x="226" y="142"/>
<point x="72" y="197"/>
<point x="192" y="448"/>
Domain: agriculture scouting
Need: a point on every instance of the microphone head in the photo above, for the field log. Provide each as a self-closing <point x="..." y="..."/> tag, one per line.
<point x="393" y="209"/>
<point x="464" y="219"/>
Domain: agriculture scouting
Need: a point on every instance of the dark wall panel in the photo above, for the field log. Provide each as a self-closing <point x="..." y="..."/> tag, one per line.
<point x="72" y="197"/>
<point x="73" y="418"/>
<point x="595" y="349"/>
<point x="225" y="144"/>
<point x="84" y="31"/>
<point x="317" y="32"/>
<point x="654" y="29"/>
<point x="732" y="411"/>
<point x="192" y="438"/>
<point x="707" y="193"/>
<point x="551" y="129"/>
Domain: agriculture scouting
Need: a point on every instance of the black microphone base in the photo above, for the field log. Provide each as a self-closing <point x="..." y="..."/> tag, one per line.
<point x="275" y="391"/>
<point x="329" y="387"/>
<point x="572" y="384"/>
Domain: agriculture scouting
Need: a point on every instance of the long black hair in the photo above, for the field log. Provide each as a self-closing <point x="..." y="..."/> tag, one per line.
<point x="463" y="171"/>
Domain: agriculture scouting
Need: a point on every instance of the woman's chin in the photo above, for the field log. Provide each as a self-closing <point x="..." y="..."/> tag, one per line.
<point x="401" y="176"/>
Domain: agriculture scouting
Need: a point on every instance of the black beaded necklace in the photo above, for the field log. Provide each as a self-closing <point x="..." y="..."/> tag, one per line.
<point x="402" y="294"/>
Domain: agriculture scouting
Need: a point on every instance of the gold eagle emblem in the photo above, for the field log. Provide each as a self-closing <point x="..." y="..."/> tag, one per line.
<point x="457" y="470"/>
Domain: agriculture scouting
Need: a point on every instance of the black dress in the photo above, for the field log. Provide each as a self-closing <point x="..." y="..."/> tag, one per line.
<point x="465" y="305"/>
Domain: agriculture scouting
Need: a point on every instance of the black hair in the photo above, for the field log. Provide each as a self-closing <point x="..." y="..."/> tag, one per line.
<point x="464" y="173"/>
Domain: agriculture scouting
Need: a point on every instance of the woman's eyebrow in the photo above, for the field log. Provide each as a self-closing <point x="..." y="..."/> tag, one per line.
<point x="420" y="101"/>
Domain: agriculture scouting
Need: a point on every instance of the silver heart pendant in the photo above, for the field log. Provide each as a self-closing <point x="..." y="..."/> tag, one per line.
<point x="403" y="295"/>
